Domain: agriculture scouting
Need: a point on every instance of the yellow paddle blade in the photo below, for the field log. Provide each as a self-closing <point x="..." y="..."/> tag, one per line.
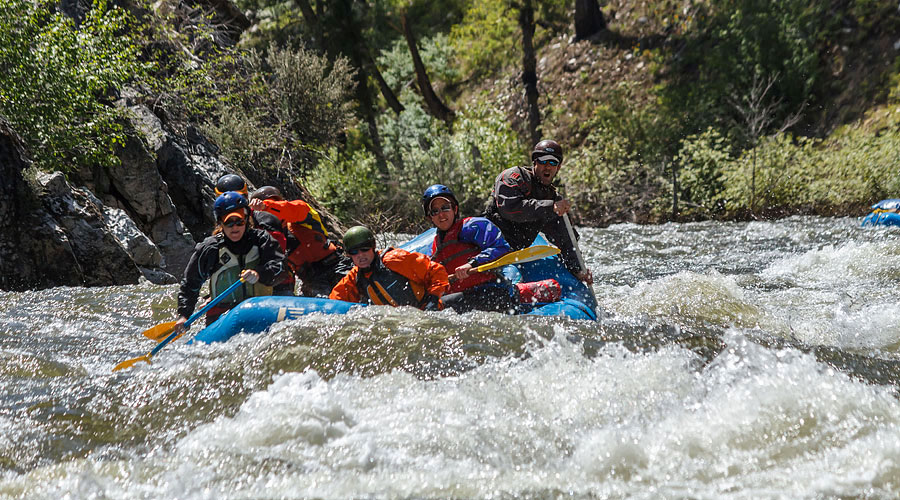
<point x="524" y="255"/>
<point x="130" y="362"/>
<point x="160" y="331"/>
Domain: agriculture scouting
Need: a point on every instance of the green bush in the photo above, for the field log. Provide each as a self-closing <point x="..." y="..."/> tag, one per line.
<point x="279" y="110"/>
<point x="58" y="79"/>
<point x="699" y="165"/>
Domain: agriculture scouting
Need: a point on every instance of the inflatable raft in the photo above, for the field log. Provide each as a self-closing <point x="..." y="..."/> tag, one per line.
<point x="257" y="314"/>
<point x="884" y="213"/>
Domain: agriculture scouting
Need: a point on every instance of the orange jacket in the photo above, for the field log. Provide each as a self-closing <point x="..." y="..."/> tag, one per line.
<point x="423" y="275"/>
<point x="306" y="225"/>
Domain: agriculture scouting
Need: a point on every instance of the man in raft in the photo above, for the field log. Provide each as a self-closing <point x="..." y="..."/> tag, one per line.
<point x="315" y="260"/>
<point x="235" y="250"/>
<point x="393" y="277"/>
<point x="524" y="202"/>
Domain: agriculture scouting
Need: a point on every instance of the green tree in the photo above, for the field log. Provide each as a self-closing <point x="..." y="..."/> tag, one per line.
<point x="58" y="80"/>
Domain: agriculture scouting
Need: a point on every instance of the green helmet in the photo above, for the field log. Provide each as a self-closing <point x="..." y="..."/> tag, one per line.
<point x="358" y="236"/>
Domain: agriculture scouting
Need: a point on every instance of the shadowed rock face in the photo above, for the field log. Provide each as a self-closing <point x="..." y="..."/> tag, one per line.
<point x="55" y="236"/>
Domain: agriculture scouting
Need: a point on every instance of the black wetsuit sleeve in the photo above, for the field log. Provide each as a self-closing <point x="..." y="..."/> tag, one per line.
<point x="199" y="268"/>
<point x="512" y="194"/>
<point x="271" y="258"/>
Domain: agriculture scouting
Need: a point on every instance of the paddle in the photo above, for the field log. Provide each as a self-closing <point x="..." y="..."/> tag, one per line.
<point x="577" y="251"/>
<point x="172" y="336"/>
<point x="529" y="254"/>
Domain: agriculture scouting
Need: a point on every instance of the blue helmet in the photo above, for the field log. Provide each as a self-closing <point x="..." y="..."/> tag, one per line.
<point x="229" y="201"/>
<point x="434" y="191"/>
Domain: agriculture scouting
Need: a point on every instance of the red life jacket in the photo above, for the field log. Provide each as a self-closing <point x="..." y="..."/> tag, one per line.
<point x="314" y="246"/>
<point x="453" y="253"/>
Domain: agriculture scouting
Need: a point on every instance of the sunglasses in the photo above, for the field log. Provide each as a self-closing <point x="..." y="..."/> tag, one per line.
<point x="435" y="211"/>
<point x="234" y="222"/>
<point x="357" y="250"/>
<point x="553" y="163"/>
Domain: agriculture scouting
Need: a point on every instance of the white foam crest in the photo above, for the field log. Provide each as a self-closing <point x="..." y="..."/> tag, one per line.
<point x="762" y="423"/>
<point x="709" y="298"/>
<point x="848" y="262"/>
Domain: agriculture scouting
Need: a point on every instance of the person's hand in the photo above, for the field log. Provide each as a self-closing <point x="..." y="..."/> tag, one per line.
<point x="462" y="272"/>
<point x="257" y="204"/>
<point x="250" y="276"/>
<point x="587" y="277"/>
<point x="561" y="207"/>
<point x="179" y="324"/>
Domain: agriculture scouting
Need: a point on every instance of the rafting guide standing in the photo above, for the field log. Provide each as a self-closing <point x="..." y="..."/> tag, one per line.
<point x="524" y="202"/>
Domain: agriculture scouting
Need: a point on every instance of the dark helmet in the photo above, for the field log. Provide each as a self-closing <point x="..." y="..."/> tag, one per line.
<point x="437" y="191"/>
<point x="267" y="193"/>
<point x="229" y="202"/>
<point x="358" y="236"/>
<point x="547" y="147"/>
<point x="231" y="182"/>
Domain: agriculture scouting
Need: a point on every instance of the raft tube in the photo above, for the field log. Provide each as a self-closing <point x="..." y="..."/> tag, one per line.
<point x="257" y="314"/>
<point x="884" y="213"/>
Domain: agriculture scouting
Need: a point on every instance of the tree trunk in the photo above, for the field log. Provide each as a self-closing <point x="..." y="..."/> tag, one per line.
<point x="386" y="90"/>
<point x="313" y="21"/>
<point x="529" y="70"/>
<point x="588" y="19"/>
<point x="434" y="103"/>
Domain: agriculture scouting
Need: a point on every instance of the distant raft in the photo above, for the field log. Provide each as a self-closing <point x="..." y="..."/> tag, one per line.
<point x="257" y="314"/>
<point x="884" y="213"/>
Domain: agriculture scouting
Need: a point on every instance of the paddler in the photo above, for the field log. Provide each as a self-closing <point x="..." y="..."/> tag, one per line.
<point x="393" y="277"/>
<point x="235" y="249"/>
<point x="524" y="202"/>
<point x="317" y="261"/>
<point x="461" y="244"/>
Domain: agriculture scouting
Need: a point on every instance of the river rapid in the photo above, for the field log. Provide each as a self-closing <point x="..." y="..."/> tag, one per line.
<point x="735" y="360"/>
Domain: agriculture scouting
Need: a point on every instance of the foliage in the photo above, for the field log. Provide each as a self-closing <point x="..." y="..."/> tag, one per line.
<point x="623" y="141"/>
<point x="488" y="38"/>
<point x="700" y="164"/>
<point x="422" y="151"/>
<point x="734" y="43"/>
<point x="58" y="80"/>
<point x="290" y="104"/>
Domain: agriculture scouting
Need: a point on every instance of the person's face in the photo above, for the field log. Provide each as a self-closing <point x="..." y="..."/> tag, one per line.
<point x="545" y="170"/>
<point x="442" y="213"/>
<point x="234" y="227"/>
<point x="362" y="257"/>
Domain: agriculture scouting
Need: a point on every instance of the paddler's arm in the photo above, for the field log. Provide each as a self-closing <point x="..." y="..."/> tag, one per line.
<point x="487" y="236"/>
<point x="346" y="289"/>
<point x="288" y="211"/>
<point x="271" y="257"/>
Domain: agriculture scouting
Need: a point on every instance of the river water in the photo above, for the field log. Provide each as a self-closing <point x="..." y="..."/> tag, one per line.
<point x="735" y="360"/>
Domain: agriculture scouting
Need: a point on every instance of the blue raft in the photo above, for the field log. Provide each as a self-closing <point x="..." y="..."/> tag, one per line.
<point x="884" y="213"/>
<point x="257" y="314"/>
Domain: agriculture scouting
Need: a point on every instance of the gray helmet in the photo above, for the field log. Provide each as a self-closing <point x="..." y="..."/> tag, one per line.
<point x="267" y="193"/>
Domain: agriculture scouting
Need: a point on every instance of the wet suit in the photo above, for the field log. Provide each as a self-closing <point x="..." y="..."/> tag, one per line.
<point x="521" y="206"/>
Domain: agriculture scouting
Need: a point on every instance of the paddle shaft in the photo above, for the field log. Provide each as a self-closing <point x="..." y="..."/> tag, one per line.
<point x="201" y="312"/>
<point x="577" y="250"/>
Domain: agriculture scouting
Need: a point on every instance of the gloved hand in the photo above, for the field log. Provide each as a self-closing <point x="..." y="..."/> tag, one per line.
<point x="431" y="303"/>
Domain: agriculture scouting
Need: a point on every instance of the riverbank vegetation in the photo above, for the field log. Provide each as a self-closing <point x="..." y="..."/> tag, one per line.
<point x="669" y="110"/>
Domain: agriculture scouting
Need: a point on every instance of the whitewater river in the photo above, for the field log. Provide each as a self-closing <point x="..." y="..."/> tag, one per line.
<point x="748" y="360"/>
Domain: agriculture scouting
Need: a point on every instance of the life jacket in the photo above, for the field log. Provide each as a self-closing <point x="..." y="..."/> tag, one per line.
<point x="452" y="253"/>
<point x="225" y="276"/>
<point x="384" y="286"/>
<point x="314" y="244"/>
